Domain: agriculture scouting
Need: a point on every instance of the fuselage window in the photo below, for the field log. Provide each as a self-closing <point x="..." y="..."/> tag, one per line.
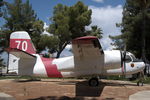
<point x="128" y="59"/>
<point x="95" y="43"/>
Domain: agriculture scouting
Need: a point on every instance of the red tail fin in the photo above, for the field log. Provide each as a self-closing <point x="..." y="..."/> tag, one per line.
<point x="22" y="41"/>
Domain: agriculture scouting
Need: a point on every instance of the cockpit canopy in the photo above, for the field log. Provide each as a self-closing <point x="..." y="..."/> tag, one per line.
<point x="131" y="58"/>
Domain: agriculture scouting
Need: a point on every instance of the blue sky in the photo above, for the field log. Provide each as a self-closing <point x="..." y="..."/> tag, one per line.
<point x="44" y="8"/>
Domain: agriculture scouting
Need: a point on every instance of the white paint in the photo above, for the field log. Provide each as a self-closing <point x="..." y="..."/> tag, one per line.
<point x="20" y="35"/>
<point x="64" y="64"/>
<point x="25" y="64"/>
<point x="18" y="44"/>
<point x="13" y="64"/>
<point x="68" y="74"/>
<point x="24" y="45"/>
<point x="39" y="68"/>
<point x="139" y="66"/>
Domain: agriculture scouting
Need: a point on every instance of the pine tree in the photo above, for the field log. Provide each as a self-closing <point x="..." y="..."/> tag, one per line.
<point x="20" y="16"/>
<point x="69" y="23"/>
<point x="136" y="27"/>
<point x="1" y="4"/>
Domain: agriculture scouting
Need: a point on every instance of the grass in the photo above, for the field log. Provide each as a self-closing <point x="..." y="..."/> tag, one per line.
<point x="146" y="81"/>
<point x="28" y="77"/>
<point x="14" y="77"/>
<point x="117" y="78"/>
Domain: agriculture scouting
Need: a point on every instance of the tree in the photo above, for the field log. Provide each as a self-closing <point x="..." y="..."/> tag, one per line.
<point x="69" y="23"/>
<point x="118" y="42"/>
<point x="20" y="16"/>
<point x="49" y="42"/>
<point x="1" y="4"/>
<point x="135" y="27"/>
<point x="95" y="31"/>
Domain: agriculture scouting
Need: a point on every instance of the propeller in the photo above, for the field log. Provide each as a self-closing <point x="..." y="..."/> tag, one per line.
<point x="123" y="61"/>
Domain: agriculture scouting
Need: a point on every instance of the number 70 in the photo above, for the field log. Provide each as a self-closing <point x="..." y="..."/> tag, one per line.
<point x="23" y="45"/>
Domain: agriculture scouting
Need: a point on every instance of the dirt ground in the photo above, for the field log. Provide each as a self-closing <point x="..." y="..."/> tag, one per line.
<point x="69" y="89"/>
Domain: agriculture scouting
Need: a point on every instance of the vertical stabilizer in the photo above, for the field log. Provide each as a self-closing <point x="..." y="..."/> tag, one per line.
<point x="22" y="41"/>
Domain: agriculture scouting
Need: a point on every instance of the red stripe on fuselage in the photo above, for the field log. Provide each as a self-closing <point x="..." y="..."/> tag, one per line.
<point x="51" y="69"/>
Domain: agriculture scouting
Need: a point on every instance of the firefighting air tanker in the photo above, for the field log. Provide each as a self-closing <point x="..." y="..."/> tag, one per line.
<point x="89" y="60"/>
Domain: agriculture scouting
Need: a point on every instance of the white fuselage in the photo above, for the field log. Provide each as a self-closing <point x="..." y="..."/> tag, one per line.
<point x="66" y="66"/>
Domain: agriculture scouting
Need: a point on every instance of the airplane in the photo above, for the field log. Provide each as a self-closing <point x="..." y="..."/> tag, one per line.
<point x="88" y="60"/>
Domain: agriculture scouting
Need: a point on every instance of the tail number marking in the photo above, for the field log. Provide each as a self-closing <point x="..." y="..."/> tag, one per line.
<point x="23" y="45"/>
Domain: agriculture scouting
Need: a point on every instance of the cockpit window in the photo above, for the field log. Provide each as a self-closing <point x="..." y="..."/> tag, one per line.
<point x="128" y="58"/>
<point x="135" y="59"/>
<point x="95" y="43"/>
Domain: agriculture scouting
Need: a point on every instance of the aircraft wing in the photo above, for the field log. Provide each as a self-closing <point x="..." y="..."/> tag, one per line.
<point x="88" y="56"/>
<point x="26" y="61"/>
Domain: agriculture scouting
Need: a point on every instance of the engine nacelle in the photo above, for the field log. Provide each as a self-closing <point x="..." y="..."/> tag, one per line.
<point x="112" y="59"/>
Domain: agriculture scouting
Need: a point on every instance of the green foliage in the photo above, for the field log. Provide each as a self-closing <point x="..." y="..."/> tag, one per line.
<point x="117" y="42"/>
<point x="1" y="4"/>
<point x="95" y="31"/>
<point x="146" y="80"/>
<point x="1" y="62"/>
<point x="50" y="42"/>
<point x="135" y="28"/>
<point x="119" y="77"/>
<point x="20" y="16"/>
<point x="69" y="23"/>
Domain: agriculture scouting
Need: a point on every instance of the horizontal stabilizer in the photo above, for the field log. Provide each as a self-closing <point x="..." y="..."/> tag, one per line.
<point x="26" y="62"/>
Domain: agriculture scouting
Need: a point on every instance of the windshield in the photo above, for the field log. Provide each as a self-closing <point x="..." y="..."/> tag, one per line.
<point x="135" y="59"/>
<point x="128" y="59"/>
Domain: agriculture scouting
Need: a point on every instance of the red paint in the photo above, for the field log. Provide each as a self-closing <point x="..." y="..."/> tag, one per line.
<point x="84" y="40"/>
<point x="23" y="44"/>
<point x="51" y="69"/>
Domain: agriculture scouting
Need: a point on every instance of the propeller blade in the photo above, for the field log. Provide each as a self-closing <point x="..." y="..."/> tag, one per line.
<point x="123" y="59"/>
<point x="124" y="62"/>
